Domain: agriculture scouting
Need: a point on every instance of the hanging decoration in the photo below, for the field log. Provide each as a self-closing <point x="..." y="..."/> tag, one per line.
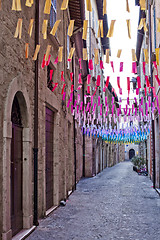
<point x="18" y="31"/>
<point x="55" y="27"/>
<point x="111" y="29"/>
<point x="64" y="5"/>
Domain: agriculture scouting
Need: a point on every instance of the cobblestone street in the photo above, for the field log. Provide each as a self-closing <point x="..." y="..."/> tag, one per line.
<point x="116" y="204"/>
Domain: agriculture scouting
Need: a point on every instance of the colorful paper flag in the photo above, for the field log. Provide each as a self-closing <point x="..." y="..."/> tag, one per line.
<point x="100" y="29"/>
<point x="158" y="24"/>
<point x="29" y="3"/>
<point x="127" y="6"/>
<point x="48" y="52"/>
<point x="64" y="5"/>
<point x="44" y="28"/>
<point x="71" y="54"/>
<point x="36" y="52"/>
<point x="129" y="28"/>
<point x="142" y="4"/>
<point x="16" y="5"/>
<point x="119" y="53"/>
<point x="96" y="56"/>
<point x="60" y="54"/>
<point x="18" y="29"/>
<point x="70" y="28"/>
<point x="134" y="58"/>
<point x="85" y="26"/>
<point x="55" y="27"/>
<point x="146" y="55"/>
<point x="47" y="7"/>
<point x="85" y="55"/>
<point x="89" y="6"/>
<point x="111" y="29"/>
<point x="26" y="50"/>
<point x="157" y="55"/>
<point x="107" y="55"/>
<point x="30" y="28"/>
<point x="104" y="7"/>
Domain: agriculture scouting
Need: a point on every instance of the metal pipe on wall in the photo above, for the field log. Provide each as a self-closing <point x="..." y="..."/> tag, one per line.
<point x="35" y="149"/>
<point x="151" y="73"/>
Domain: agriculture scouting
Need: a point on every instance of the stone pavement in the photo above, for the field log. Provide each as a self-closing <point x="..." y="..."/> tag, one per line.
<point x="116" y="204"/>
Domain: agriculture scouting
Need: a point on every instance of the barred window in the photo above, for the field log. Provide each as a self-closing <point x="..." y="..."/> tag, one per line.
<point x="53" y="13"/>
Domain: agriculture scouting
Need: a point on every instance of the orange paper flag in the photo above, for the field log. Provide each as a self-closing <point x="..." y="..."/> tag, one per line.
<point x="85" y="55"/>
<point x="70" y="28"/>
<point x="146" y="54"/>
<point x="134" y="58"/>
<point x="60" y="54"/>
<point x="129" y="28"/>
<point x="29" y="3"/>
<point x="96" y="56"/>
<point x="71" y="54"/>
<point x="107" y="55"/>
<point x="18" y="29"/>
<point x="104" y="7"/>
<point x="16" y="5"/>
<point x="44" y="29"/>
<point x="36" y="53"/>
<point x="55" y="27"/>
<point x="127" y="6"/>
<point x="26" y="50"/>
<point x="85" y="25"/>
<point x="111" y="29"/>
<point x="100" y="28"/>
<point x="157" y="55"/>
<point x="89" y="6"/>
<point x="47" y="7"/>
<point x="119" y="53"/>
<point x="30" y="27"/>
<point x="47" y="52"/>
<point x="142" y="4"/>
<point x="158" y="24"/>
<point x="64" y="5"/>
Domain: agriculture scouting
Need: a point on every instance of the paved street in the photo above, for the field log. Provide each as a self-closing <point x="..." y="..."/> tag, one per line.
<point x="116" y="204"/>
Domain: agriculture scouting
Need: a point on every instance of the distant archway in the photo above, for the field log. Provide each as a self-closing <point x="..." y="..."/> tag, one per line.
<point x="131" y="153"/>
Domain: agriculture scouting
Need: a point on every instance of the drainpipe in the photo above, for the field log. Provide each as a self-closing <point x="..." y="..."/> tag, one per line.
<point x="35" y="149"/>
<point x="151" y="72"/>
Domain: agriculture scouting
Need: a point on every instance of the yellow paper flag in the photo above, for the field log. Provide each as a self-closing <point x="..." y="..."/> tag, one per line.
<point x="70" y="28"/>
<point x="140" y="24"/>
<point x="47" y="52"/>
<point x="64" y="5"/>
<point x="146" y="54"/>
<point x="142" y="4"/>
<point x="29" y="3"/>
<point x="60" y="54"/>
<point x="100" y="28"/>
<point x="26" y="50"/>
<point x="55" y="27"/>
<point x="36" y="53"/>
<point x="89" y="6"/>
<point x="134" y="58"/>
<point x="107" y="55"/>
<point x="119" y="53"/>
<point x="127" y="6"/>
<point x="111" y="29"/>
<point x="96" y="56"/>
<point x="85" y="25"/>
<point x="157" y="55"/>
<point x="30" y="28"/>
<point x="158" y="24"/>
<point x="104" y="7"/>
<point x="71" y="53"/>
<point x="47" y="7"/>
<point x="85" y="55"/>
<point x="16" y="5"/>
<point x="18" y="29"/>
<point x="44" y="29"/>
<point x="129" y="28"/>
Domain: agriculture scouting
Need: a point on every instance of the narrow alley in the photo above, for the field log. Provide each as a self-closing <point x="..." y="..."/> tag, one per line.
<point x="116" y="204"/>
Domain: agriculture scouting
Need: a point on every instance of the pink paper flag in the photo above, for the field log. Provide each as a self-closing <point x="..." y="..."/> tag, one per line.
<point x="134" y="67"/>
<point x="62" y="77"/>
<point x="137" y="91"/>
<point x="79" y="79"/>
<point x="107" y="82"/>
<point x="91" y="100"/>
<point x="118" y="82"/>
<point x="51" y="74"/>
<point x="64" y="95"/>
<point x="95" y="91"/>
<point x="43" y="62"/>
<point x="147" y="81"/>
<point x="88" y="89"/>
<point x="56" y="60"/>
<point x="88" y="79"/>
<point x="55" y="86"/>
<point x="141" y="100"/>
<point x="121" y="67"/>
<point x="139" y="82"/>
<point x="63" y="88"/>
<point x="154" y="92"/>
<point x="80" y="65"/>
<point x="98" y="80"/>
<point x="149" y="100"/>
<point x="127" y="100"/>
<point x="68" y="104"/>
<point x="128" y="83"/>
<point x="112" y="66"/>
<point x="101" y="64"/>
<point x="120" y="91"/>
<point x="106" y="101"/>
<point x="72" y="88"/>
<point x="71" y="76"/>
<point x="158" y="80"/>
<point x="144" y="68"/>
<point x="81" y="107"/>
<point x="90" y="65"/>
<point x="49" y="59"/>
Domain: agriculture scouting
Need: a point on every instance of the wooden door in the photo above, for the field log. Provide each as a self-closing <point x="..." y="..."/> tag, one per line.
<point x="16" y="180"/>
<point x="49" y="158"/>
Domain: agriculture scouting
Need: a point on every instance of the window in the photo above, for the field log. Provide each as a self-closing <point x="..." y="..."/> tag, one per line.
<point x="49" y="81"/>
<point x="53" y="13"/>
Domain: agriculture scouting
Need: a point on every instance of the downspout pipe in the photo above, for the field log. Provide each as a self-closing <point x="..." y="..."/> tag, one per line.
<point x="35" y="149"/>
<point x="151" y="72"/>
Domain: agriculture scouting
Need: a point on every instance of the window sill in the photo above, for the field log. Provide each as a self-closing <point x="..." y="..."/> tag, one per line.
<point x="54" y="39"/>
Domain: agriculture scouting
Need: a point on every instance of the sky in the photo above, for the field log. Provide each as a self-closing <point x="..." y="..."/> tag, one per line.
<point x="116" y="10"/>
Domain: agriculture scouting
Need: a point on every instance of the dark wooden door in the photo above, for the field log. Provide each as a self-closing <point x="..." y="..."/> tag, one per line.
<point x="49" y="158"/>
<point x="131" y="153"/>
<point x="16" y="180"/>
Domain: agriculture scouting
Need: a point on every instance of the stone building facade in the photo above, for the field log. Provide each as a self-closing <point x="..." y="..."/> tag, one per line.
<point x="62" y="158"/>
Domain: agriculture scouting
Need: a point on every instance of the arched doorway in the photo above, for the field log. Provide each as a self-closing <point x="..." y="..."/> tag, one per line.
<point x="131" y="153"/>
<point x="16" y="169"/>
